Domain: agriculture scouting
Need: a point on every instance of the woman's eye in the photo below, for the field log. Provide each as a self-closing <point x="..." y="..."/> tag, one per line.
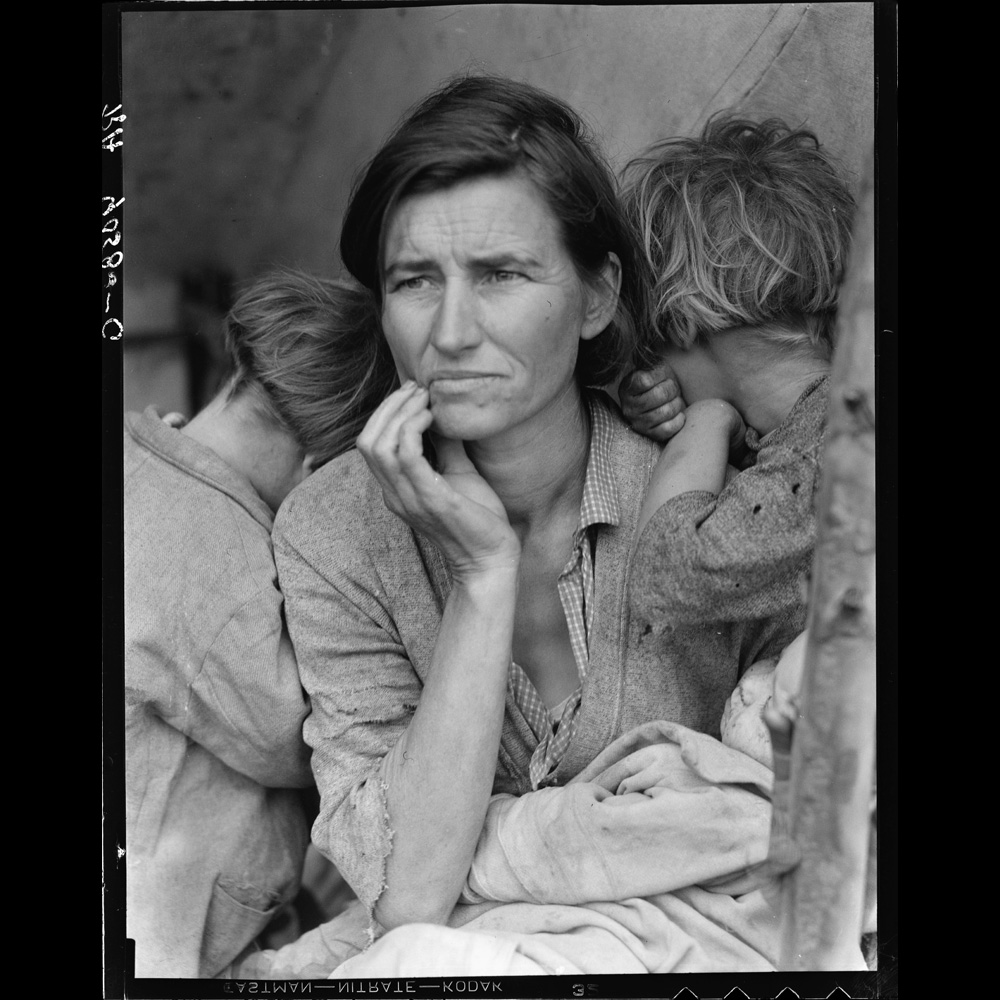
<point x="412" y="283"/>
<point x="502" y="277"/>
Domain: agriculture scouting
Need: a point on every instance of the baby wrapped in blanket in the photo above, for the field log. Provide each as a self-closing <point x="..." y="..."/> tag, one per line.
<point x="768" y="689"/>
<point x="650" y="861"/>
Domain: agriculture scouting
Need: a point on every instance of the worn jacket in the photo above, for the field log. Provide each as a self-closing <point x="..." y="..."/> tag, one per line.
<point x="216" y="829"/>
<point x="725" y="575"/>
<point x="364" y="598"/>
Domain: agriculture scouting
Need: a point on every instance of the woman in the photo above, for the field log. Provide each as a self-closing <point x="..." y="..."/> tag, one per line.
<point x="456" y="589"/>
<point x="216" y="824"/>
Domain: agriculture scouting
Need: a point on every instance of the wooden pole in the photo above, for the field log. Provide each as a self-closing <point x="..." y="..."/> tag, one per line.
<point x="833" y="748"/>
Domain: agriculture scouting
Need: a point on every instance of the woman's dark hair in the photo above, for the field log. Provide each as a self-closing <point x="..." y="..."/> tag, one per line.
<point x="488" y="126"/>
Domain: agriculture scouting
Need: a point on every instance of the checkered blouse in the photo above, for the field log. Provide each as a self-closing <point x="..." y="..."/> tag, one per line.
<point x="553" y="728"/>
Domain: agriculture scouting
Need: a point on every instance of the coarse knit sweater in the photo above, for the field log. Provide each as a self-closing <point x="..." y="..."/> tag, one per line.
<point x="723" y="578"/>
<point x="216" y="829"/>
<point x="364" y="599"/>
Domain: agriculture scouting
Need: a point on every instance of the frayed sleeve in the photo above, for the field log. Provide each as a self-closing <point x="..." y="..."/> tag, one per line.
<point x="739" y="556"/>
<point x="363" y="690"/>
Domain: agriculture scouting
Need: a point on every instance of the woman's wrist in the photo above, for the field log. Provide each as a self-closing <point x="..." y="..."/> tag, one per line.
<point x="488" y="575"/>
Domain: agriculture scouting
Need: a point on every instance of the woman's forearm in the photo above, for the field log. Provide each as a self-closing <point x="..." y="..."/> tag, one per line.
<point x="440" y="774"/>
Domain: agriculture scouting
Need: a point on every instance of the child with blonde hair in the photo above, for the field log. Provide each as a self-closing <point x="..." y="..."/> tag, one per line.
<point x="746" y="231"/>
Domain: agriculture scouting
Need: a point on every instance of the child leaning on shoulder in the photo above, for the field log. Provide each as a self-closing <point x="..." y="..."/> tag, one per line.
<point x="746" y="231"/>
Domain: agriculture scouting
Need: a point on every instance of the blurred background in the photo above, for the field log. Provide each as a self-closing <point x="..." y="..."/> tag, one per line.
<point x="246" y="127"/>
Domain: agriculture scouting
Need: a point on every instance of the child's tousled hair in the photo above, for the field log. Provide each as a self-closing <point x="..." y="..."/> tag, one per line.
<point x="305" y="348"/>
<point x="748" y="225"/>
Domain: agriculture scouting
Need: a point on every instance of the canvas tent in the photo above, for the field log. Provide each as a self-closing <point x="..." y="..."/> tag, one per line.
<point x="245" y="127"/>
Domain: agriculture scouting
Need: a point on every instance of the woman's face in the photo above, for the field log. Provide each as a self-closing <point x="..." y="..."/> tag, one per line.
<point x="483" y="306"/>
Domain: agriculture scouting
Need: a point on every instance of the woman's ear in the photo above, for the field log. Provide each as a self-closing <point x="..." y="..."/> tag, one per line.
<point x="602" y="299"/>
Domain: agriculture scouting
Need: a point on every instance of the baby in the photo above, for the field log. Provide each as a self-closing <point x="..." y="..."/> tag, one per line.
<point x="758" y="720"/>
<point x="767" y="693"/>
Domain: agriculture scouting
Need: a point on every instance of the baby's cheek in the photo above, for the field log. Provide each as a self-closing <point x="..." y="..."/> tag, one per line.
<point x="745" y="730"/>
<point x="729" y="713"/>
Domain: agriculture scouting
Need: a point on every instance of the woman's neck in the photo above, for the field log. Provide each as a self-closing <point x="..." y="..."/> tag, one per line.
<point x="538" y="468"/>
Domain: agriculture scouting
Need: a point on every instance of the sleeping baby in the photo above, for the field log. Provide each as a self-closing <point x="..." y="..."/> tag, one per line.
<point x="768" y="691"/>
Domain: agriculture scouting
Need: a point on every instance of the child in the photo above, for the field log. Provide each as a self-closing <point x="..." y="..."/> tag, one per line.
<point x="216" y="824"/>
<point x="746" y="232"/>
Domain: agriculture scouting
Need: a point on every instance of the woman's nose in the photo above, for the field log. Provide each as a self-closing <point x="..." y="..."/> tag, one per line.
<point x="456" y="326"/>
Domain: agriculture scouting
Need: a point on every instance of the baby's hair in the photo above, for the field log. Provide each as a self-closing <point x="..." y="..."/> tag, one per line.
<point x="305" y="348"/>
<point x="749" y="225"/>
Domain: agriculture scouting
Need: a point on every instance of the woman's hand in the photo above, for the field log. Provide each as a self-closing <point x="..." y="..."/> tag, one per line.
<point x="454" y="507"/>
<point x="438" y="777"/>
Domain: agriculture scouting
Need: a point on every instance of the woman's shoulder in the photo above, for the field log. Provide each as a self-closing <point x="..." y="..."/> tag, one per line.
<point x="342" y="481"/>
<point x="340" y="504"/>
<point x="626" y="444"/>
<point x="631" y="455"/>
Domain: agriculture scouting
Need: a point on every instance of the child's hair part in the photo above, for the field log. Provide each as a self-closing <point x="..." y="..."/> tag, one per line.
<point x="748" y="225"/>
<point x="310" y="351"/>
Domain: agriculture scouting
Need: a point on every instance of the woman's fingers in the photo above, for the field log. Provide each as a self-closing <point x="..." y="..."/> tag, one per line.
<point x="383" y="438"/>
<point x="454" y="505"/>
<point x="383" y="415"/>
<point x="396" y="456"/>
<point x="412" y="463"/>
<point x="387" y="445"/>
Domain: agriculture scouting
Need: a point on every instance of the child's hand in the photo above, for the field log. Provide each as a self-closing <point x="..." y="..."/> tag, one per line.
<point x="651" y="401"/>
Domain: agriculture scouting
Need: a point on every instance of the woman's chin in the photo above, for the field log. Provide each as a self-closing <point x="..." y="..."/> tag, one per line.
<point x="463" y="423"/>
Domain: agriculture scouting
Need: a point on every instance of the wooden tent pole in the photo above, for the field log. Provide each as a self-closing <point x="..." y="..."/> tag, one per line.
<point x="833" y="748"/>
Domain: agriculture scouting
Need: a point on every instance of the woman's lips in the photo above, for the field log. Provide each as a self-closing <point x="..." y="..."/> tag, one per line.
<point x="459" y="382"/>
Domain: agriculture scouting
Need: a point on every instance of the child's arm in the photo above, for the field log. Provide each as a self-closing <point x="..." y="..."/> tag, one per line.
<point x="739" y="554"/>
<point x="696" y="458"/>
<point x="651" y="402"/>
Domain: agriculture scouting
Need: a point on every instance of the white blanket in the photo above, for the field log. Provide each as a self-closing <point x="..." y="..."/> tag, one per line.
<point x="649" y="861"/>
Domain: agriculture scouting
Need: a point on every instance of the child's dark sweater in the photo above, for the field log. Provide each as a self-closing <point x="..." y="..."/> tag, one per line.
<point x="725" y="576"/>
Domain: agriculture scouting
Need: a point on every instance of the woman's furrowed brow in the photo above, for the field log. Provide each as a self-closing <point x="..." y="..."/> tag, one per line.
<point x="408" y="265"/>
<point x="480" y="262"/>
<point x="504" y="261"/>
